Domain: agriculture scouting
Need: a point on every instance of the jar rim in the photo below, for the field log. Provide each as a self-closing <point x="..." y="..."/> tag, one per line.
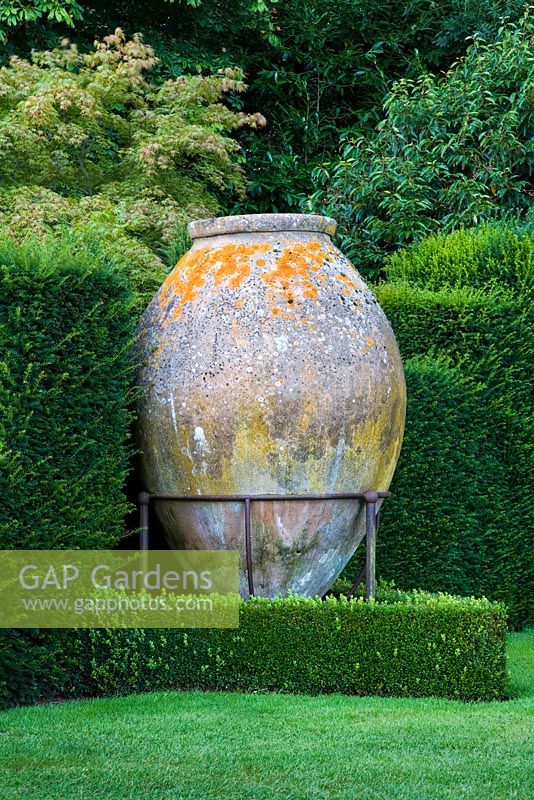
<point x="261" y="223"/>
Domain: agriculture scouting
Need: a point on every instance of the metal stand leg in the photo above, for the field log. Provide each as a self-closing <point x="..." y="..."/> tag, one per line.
<point x="248" y="547"/>
<point x="144" y="501"/>
<point x="356" y="583"/>
<point x="370" y="544"/>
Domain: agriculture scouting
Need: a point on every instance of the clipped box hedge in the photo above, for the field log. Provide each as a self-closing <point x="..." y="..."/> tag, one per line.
<point x="408" y="644"/>
<point x="404" y="644"/>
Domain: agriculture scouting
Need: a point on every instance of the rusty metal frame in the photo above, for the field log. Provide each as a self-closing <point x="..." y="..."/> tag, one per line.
<point x="370" y="499"/>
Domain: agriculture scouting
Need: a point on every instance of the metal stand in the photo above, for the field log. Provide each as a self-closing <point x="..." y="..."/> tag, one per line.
<point x="371" y="524"/>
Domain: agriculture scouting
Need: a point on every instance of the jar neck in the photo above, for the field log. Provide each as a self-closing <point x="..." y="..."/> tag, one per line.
<point x="273" y="238"/>
<point x="261" y="223"/>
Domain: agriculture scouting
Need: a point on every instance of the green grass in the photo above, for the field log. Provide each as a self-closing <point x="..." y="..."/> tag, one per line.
<point x="193" y="746"/>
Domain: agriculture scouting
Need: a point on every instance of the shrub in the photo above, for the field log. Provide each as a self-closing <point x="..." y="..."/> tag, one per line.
<point x="88" y="140"/>
<point x="413" y="645"/>
<point x="35" y="664"/>
<point x="66" y="326"/>
<point x="451" y="150"/>
<point x="489" y="256"/>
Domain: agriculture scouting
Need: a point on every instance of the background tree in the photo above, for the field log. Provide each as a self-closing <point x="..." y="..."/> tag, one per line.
<point x="450" y="151"/>
<point x="15" y="13"/>
<point x="316" y="68"/>
<point x="87" y="141"/>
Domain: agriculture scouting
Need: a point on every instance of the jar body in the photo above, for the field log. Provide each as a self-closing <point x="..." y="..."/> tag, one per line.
<point x="268" y="367"/>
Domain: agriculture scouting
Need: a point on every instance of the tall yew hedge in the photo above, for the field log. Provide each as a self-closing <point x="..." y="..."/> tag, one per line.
<point x="461" y="517"/>
<point x="441" y="527"/>
<point x="65" y="375"/>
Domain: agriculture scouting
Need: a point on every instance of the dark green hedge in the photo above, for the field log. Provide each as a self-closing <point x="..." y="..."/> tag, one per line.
<point x="445" y="524"/>
<point x="35" y="664"/>
<point x="406" y="645"/>
<point x="65" y="331"/>
<point x="470" y="422"/>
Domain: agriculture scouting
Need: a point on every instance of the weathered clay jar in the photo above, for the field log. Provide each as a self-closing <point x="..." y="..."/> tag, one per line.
<point x="268" y="367"/>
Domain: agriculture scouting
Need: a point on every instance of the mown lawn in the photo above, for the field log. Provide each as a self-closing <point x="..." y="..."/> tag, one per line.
<point x="193" y="746"/>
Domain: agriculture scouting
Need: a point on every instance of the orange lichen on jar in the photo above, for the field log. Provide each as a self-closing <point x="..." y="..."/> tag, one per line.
<point x="290" y="279"/>
<point x="347" y="281"/>
<point x="229" y="265"/>
<point x="294" y="273"/>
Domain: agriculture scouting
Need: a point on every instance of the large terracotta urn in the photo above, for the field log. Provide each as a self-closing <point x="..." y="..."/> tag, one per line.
<point x="268" y="367"/>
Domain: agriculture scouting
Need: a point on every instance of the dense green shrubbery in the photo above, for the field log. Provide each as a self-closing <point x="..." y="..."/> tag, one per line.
<point x="416" y="644"/>
<point x="489" y="256"/>
<point x="21" y="12"/>
<point x="89" y="143"/>
<point x="36" y="664"/>
<point x="450" y="151"/>
<point x="469" y="433"/>
<point x="66" y="326"/>
<point x="316" y="68"/>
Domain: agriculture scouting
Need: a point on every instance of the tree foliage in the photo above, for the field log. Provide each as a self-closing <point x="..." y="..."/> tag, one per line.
<point x="451" y="150"/>
<point x="327" y="69"/>
<point x="315" y="68"/>
<point x="87" y="141"/>
<point x="20" y="12"/>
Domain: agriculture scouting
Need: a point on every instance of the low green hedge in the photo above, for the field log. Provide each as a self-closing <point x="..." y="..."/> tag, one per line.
<point x="408" y="644"/>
